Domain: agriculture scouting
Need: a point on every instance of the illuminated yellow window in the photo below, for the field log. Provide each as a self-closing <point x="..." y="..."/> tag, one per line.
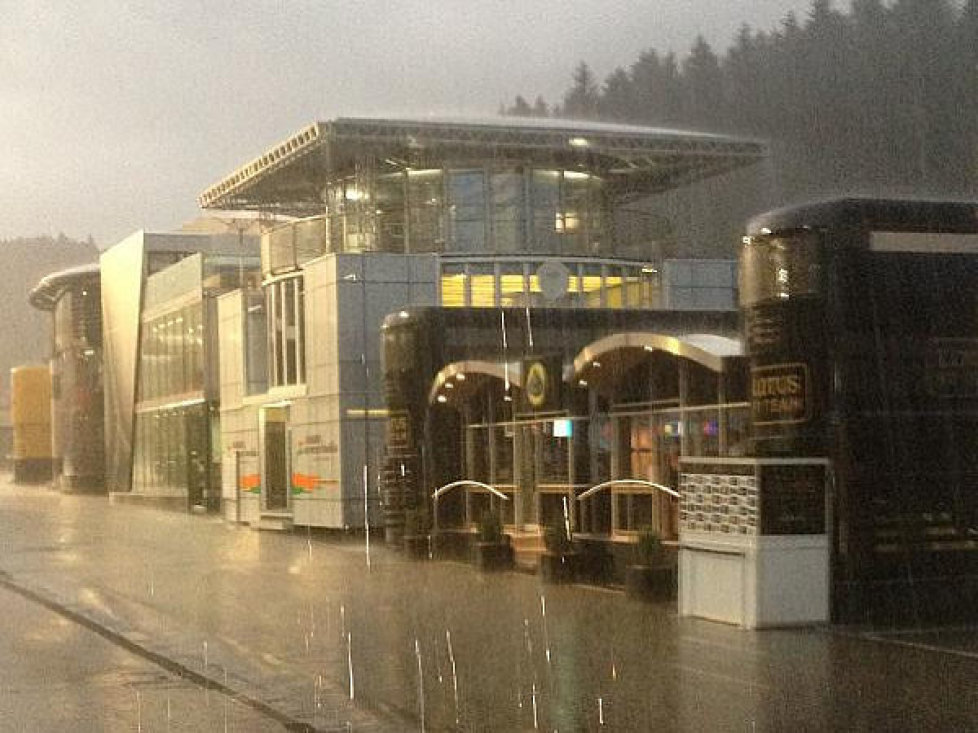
<point x="483" y="291"/>
<point x="511" y="289"/>
<point x="453" y="291"/>
<point x="615" y="295"/>
<point x="591" y="288"/>
<point x="633" y="292"/>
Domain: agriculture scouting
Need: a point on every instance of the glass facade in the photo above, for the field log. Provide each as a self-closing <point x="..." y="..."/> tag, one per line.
<point x="463" y="210"/>
<point x="176" y="451"/>
<point x="171" y="360"/>
<point x="173" y="456"/>
<point x="635" y="434"/>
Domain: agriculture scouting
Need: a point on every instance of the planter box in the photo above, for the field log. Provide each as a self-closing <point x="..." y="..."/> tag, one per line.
<point x="492" y="555"/>
<point x="452" y="545"/>
<point x="595" y="564"/>
<point x="559" y="567"/>
<point x="650" y="583"/>
<point x="416" y="546"/>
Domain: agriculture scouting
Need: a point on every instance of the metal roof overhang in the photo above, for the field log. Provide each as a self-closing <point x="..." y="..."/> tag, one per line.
<point x="466" y="377"/>
<point x="636" y="161"/>
<point x="45" y="295"/>
<point x="619" y="352"/>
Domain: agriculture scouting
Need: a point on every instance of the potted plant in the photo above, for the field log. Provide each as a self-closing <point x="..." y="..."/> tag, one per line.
<point x="492" y="550"/>
<point x="558" y="563"/>
<point x="652" y="576"/>
<point x="416" y="529"/>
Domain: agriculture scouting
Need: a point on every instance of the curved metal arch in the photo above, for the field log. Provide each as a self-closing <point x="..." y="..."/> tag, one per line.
<point x="496" y="370"/>
<point x="628" y="482"/>
<point x="708" y="350"/>
<point x="442" y="490"/>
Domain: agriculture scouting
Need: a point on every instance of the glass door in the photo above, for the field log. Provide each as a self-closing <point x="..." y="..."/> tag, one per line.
<point x="275" y="458"/>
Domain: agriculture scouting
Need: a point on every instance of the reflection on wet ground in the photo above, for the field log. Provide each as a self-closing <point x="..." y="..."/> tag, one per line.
<point x="299" y="621"/>
<point x="58" y="675"/>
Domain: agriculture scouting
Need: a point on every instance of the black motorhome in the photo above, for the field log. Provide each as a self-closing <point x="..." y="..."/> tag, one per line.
<point x="861" y="327"/>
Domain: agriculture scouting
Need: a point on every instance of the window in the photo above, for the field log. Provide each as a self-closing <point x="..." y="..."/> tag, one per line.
<point x="777" y="268"/>
<point x="389" y="208"/>
<point x="425" y="226"/>
<point x="285" y="303"/>
<point x="507" y="212"/>
<point x="466" y="210"/>
<point x="545" y="197"/>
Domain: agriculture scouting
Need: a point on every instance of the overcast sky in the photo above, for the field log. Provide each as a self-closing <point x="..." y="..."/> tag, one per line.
<point x="115" y="115"/>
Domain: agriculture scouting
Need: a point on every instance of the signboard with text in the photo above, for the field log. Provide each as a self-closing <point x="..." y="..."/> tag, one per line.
<point x="780" y="393"/>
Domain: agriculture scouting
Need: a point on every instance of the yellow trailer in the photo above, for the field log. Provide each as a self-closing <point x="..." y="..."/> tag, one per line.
<point x="30" y="415"/>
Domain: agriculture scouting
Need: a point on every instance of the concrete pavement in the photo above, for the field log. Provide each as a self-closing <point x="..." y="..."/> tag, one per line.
<point x="297" y="630"/>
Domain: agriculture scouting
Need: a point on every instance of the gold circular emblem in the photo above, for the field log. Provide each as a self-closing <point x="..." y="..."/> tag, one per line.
<point x="536" y="384"/>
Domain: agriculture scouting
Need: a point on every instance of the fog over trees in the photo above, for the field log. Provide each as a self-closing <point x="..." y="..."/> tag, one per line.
<point x="882" y="99"/>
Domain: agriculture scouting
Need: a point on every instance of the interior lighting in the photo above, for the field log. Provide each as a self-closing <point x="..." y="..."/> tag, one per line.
<point x="578" y="142"/>
<point x="460" y="377"/>
<point x="442" y="399"/>
<point x="449" y="385"/>
<point x="596" y="364"/>
<point x="582" y="382"/>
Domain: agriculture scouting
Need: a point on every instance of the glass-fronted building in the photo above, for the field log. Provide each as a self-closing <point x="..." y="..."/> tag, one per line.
<point x="159" y="366"/>
<point x="177" y="451"/>
<point x="393" y="213"/>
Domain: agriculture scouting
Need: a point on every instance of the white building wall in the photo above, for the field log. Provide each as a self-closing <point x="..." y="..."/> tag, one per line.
<point x="699" y="285"/>
<point x="239" y="422"/>
<point x="338" y="426"/>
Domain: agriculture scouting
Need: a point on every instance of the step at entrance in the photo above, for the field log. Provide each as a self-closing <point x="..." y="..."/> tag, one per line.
<point x="527" y="548"/>
<point x="274" y="521"/>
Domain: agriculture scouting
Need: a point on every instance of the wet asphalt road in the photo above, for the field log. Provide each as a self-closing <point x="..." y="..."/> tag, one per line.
<point x="296" y="624"/>
<point x="58" y="675"/>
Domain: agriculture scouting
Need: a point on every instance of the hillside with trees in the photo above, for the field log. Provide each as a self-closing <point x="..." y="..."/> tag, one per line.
<point x="879" y="100"/>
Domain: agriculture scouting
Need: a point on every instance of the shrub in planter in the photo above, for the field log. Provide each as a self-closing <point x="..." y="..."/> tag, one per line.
<point x="559" y="563"/>
<point x="492" y="550"/>
<point x="595" y="563"/>
<point x="490" y="527"/>
<point x="416" y="529"/>
<point x="651" y="577"/>
<point x="649" y="548"/>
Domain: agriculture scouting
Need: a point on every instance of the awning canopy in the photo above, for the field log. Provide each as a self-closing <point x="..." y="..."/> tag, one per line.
<point x="461" y="379"/>
<point x="47" y="292"/>
<point x="639" y="161"/>
<point x="619" y="352"/>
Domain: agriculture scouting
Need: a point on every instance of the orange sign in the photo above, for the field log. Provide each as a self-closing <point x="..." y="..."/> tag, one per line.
<point x="250" y="482"/>
<point x="304" y="482"/>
